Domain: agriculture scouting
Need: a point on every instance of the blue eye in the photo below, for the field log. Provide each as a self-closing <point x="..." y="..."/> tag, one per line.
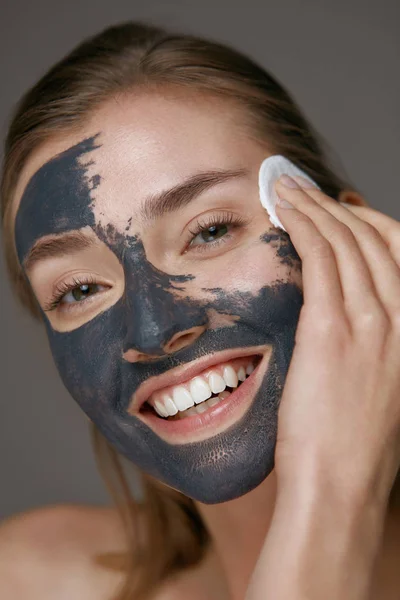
<point x="212" y="230"/>
<point x="77" y="294"/>
<point x="212" y="233"/>
<point x="74" y="292"/>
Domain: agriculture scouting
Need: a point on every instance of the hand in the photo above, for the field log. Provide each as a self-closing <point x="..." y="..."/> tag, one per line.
<point x="340" y="408"/>
<point x="338" y="442"/>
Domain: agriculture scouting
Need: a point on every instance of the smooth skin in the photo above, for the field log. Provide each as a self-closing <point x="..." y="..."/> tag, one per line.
<point x="316" y="525"/>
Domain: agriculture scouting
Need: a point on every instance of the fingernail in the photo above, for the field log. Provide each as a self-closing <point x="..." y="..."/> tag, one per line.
<point x="305" y="183"/>
<point x="288" y="181"/>
<point x="284" y="203"/>
<point x="345" y="204"/>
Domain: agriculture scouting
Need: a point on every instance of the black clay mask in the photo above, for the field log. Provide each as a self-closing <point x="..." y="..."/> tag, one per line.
<point x="153" y="308"/>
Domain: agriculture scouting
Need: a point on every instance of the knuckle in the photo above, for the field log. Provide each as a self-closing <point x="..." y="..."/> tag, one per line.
<point x="346" y="234"/>
<point x="373" y="320"/>
<point x="322" y="322"/>
<point x="370" y="231"/>
<point x="332" y="326"/>
<point x="321" y="248"/>
<point x="326" y="325"/>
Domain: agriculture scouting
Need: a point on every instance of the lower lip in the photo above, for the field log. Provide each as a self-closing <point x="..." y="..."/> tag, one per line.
<point x="215" y="420"/>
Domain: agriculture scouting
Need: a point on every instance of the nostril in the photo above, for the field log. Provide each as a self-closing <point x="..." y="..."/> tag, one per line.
<point x="179" y="342"/>
<point x="186" y="338"/>
<point x="133" y="356"/>
<point x="182" y="339"/>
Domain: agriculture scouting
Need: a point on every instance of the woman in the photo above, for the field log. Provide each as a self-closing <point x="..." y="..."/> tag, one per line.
<point x="133" y="228"/>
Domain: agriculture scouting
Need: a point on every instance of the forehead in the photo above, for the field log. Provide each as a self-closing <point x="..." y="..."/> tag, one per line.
<point x="153" y="140"/>
<point x="132" y="148"/>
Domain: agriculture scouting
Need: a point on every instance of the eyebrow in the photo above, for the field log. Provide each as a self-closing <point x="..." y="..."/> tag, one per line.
<point x="66" y="243"/>
<point x="182" y="194"/>
<point x="152" y="208"/>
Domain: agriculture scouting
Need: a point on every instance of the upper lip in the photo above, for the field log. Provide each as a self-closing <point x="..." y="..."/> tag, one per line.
<point x="184" y="373"/>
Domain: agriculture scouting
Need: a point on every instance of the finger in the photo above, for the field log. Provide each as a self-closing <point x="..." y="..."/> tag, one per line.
<point x="384" y="268"/>
<point x="382" y="265"/>
<point x="358" y="288"/>
<point x="388" y="227"/>
<point x="322" y="289"/>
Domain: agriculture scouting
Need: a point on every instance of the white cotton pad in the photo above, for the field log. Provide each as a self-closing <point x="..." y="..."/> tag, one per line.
<point x="271" y="169"/>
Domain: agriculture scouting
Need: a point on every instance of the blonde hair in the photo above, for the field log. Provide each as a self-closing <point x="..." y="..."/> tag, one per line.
<point x="166" y="532"/>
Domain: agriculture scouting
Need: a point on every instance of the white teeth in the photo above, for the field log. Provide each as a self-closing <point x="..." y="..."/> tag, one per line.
<point x="197" y="393"/>
<point x="170" y="406"/>
<point x="200" y="390"/>
<point x="193" y="410"/>
<point x="182" y="398"/>
<point x="249" y="369"/>
<point x="160" y="409"/>
<point x="216" y="383"/>
<point x="241" y="374"/>
<point x="231" y="379"/>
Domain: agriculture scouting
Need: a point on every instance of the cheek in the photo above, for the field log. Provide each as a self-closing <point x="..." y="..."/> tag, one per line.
<point x="89" y="359"/>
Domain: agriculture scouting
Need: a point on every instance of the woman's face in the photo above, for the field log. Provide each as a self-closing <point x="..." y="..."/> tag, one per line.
<point x="158" y="272"/>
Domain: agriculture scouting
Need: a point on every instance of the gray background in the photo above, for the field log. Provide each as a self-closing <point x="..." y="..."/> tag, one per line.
<point x="340" y="59"/>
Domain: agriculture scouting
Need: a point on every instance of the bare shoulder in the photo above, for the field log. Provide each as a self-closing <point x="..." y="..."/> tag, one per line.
<point x="49" y="553"/>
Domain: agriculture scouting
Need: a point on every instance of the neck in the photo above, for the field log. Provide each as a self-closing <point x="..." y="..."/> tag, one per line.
<point x="238" y="529"/>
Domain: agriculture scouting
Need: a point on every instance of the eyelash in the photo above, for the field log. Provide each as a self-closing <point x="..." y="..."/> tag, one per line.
<point x="231" y="219"/>
<point x="217" y="219"/>
<point x="63" y="288"/>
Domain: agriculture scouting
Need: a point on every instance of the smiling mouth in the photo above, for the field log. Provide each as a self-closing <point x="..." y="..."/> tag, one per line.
<point x="202" y="392"/>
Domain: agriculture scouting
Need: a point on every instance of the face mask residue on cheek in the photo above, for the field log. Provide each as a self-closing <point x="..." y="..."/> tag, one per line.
<point x="154" y="307"/>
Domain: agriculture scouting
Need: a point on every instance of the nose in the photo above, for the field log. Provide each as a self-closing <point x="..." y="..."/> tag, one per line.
<point x="158" y="321"/>
<point x="176" y="342"/>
